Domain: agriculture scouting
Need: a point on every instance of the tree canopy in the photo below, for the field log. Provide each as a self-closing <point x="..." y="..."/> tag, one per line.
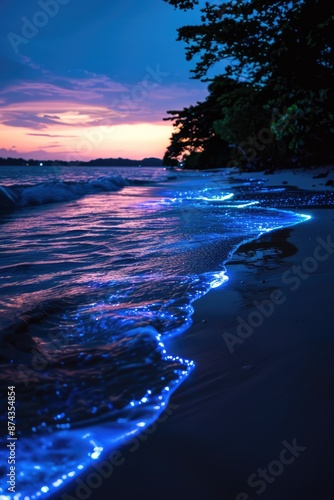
<point x="278" y="77"/>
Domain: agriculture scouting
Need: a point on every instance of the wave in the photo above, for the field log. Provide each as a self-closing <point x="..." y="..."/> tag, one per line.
<point x="57" y="191"/>
<point x="81" y="399"/>
<point x="89" y="354"/>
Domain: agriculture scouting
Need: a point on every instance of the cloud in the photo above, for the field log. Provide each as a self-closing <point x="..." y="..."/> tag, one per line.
<point x="27" y="61"/>
<point x="40" y="115"/>
<point x="89" y="99"/>
<point x="63" y="89"/>
<point x="51" y="135"/>
<point x="67" y="101"/>
<point x="91" y="114"/>
<point x="39" y="154"/>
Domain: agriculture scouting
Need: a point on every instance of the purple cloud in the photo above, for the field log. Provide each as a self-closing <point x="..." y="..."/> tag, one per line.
<point x="90" y="101"/>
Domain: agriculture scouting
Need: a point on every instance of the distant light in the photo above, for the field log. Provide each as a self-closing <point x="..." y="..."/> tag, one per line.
<point x="41" y="164"/>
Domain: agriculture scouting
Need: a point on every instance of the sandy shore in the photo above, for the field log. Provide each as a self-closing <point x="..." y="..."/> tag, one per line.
<point x="315" y="179"/>
<point x="255" y="418"/>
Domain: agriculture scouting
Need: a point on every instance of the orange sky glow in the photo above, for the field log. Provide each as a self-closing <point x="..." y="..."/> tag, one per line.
<point x="82" y="143"/>
<point x="64" y="130"/>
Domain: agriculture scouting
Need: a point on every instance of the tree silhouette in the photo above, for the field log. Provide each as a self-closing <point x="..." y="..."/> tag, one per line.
<point x="280" y="56"/>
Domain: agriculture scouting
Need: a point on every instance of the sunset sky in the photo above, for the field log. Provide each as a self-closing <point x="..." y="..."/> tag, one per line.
<point x="83" y="79"/>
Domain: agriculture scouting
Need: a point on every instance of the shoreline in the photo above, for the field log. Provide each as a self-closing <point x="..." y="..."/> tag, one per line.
<point x="234" y="411"/>
<point x="313" y="178"/>
<point x="247" y="400"/>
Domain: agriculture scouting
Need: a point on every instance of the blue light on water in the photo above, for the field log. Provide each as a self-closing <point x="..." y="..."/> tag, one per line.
<point x="195" y="226"/>
<point x="57" y="483"/>
<point x="216" y="198"/>
<point x="306" y="217"/>
<point x="244" y="205"/>
<point x="218" y="279"/>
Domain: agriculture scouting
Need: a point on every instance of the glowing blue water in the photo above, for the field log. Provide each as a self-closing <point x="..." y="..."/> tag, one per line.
<point x="90" y="288"/>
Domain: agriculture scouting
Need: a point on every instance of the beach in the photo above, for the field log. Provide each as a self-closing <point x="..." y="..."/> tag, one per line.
<point x="167" y="334"/>
<point x="167" y="250"/>
<point x="254" y="418"/>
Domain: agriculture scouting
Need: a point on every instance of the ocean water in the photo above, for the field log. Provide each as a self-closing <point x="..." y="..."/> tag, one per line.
<point x="98" y="268"/>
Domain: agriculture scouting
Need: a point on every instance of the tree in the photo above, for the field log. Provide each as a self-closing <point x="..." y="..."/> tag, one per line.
<point x="283" y="51"/>
<point x="301" y="81"/>
<point x="257" y="34"/>
<point x="194" y="139"/>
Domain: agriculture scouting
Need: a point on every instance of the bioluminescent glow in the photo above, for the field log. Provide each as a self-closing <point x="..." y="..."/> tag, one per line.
<point x="244" y="205"/>
<point x="217" y="198"/>
<point x="306" y="217"/>
<point x="115" y="270"/>
<point x="218" y="279"/>
<point x="96" y="453"/>
<point x="81" y="445"/>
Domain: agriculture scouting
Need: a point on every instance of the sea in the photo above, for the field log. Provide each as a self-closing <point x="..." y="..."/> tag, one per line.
<point x="100" y="267"/>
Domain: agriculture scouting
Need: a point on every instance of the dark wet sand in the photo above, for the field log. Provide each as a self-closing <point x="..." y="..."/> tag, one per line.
<point x="231" y="416"/>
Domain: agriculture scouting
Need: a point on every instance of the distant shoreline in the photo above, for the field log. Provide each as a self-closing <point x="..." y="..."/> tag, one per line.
<point x="99" y="162"/>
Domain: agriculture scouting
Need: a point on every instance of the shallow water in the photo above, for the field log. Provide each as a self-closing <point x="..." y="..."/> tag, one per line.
<point x="98" y="267"/>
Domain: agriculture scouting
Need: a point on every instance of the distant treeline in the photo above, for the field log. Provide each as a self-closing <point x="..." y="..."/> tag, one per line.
<point x="99" y="162"/>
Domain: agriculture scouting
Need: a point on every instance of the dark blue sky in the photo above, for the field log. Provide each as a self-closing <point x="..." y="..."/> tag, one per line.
<point x="71" y="65"/>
